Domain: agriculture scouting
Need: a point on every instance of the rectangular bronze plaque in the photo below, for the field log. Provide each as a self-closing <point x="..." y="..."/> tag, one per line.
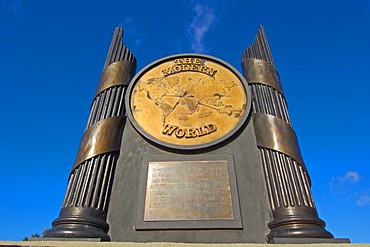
<point x="188" y="190"/>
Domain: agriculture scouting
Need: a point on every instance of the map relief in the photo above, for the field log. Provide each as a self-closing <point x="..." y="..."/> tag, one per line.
<point x="188" y="101"/>
<point x="168" y="93"/>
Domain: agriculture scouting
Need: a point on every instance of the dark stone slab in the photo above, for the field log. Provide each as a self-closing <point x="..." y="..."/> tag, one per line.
<point x="125" y="200"/>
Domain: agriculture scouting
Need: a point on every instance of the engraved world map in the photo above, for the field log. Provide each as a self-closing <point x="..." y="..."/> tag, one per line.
<point x="169" y="93"/>
<point x="188" y="101"/>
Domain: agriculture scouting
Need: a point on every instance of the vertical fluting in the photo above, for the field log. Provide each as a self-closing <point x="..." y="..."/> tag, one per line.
<point x="117" y="50"/>
<point x="287" y="181"/>
<point x="260" y="49"/>
<point x="281" y="186"/>
<point x="269" y="101"/>
<point x="90" y="181"/>
<point x="265" y="98"/>
<point x="108" y="103"/>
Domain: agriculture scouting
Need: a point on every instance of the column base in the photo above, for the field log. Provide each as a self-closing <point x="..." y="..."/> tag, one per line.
<point x="80" y="223"/>
<point x="299" y="222"/>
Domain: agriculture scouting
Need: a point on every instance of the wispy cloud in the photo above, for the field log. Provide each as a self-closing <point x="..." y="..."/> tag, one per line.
<point x="131" y="36"/>
<point x="340" y="184"/>
<point x="351" y="177"/>
<point x="15" y="7"/>
<point x="350" y="187"/>
<point x="204" y="18"/>
<point x="206" y="14"/>
<point x="363" y="200"/>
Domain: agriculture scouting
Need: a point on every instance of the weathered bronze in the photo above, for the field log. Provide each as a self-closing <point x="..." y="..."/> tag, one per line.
<point x="187" y="101"/>
<point x="275" y="134"/>
<point x="260" y="71"/>
<point x="100" y="138"/>
<point x="85" y="206"/>
<point x="286" y="178"/>
<point x="117" y="73"/>
<point x="188" y="190"/>
<point x="205" y="155"/>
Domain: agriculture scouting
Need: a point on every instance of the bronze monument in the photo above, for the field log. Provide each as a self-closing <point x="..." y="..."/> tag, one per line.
<point x="190" y="150"/>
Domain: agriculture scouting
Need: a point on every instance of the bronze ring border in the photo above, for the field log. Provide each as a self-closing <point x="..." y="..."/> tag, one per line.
<point x="185" y="147"/>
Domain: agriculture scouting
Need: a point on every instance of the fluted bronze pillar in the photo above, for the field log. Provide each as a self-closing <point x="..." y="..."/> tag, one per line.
<point x="288" y="184"/>
<point x="85" y="205"/>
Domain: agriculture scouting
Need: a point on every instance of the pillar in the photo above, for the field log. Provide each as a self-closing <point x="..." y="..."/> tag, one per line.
<point x="287" y="181"/>
<point x="85" y="205"/>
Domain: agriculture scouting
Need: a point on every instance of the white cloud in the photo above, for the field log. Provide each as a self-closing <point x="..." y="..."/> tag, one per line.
<point x="351" y="177"/>
<point x="347" y="186"/>
<point x="364" y="200"/>
<point x="206" y="14"/>
<point x="204" y="18"/>
<point x="340" y="185"/>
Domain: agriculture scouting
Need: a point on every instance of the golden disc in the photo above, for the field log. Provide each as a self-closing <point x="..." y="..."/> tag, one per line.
<point x="189" y="100"/>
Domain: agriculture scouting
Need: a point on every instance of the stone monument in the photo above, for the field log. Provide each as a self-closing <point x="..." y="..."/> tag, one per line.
<point x="190" y="150"/>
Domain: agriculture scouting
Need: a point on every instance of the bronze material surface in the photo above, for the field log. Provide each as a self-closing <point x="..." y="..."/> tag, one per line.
<point x="102" y="137"/>
<point x="259" y="71"/>
<point x="188" y="100"/>
<point x="117" y="73"/>
<point x="274" y="133"/>
<point x="188" y="190"/>
<point x="287" y="181"/>
<point x="85" y="205"/>
<point x="260" y="48"/>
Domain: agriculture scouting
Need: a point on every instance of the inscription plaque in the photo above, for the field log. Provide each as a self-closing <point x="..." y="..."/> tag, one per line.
<point x="196" y="193"/>
<point x="188" y="190"/>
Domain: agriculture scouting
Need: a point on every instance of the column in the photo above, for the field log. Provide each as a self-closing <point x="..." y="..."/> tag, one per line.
<point x="85" y="206"/>
<point x="288" y="184"/>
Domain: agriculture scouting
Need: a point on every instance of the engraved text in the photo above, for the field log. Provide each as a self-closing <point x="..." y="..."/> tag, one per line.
<point x="173" y="130"/>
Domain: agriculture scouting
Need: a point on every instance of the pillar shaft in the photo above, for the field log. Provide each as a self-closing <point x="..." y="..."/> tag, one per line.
<point x="288" y="184"/>
<point x="85" y="205"/>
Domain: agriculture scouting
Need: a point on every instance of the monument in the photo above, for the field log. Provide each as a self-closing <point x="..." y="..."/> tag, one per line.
<point x="190" y="150"/>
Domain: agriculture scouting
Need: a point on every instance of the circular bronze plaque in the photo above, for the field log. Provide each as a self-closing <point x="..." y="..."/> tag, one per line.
<point x="188" y="101"/>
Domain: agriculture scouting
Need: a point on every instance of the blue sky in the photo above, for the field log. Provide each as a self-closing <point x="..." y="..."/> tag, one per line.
<point x="52" y="54"/>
